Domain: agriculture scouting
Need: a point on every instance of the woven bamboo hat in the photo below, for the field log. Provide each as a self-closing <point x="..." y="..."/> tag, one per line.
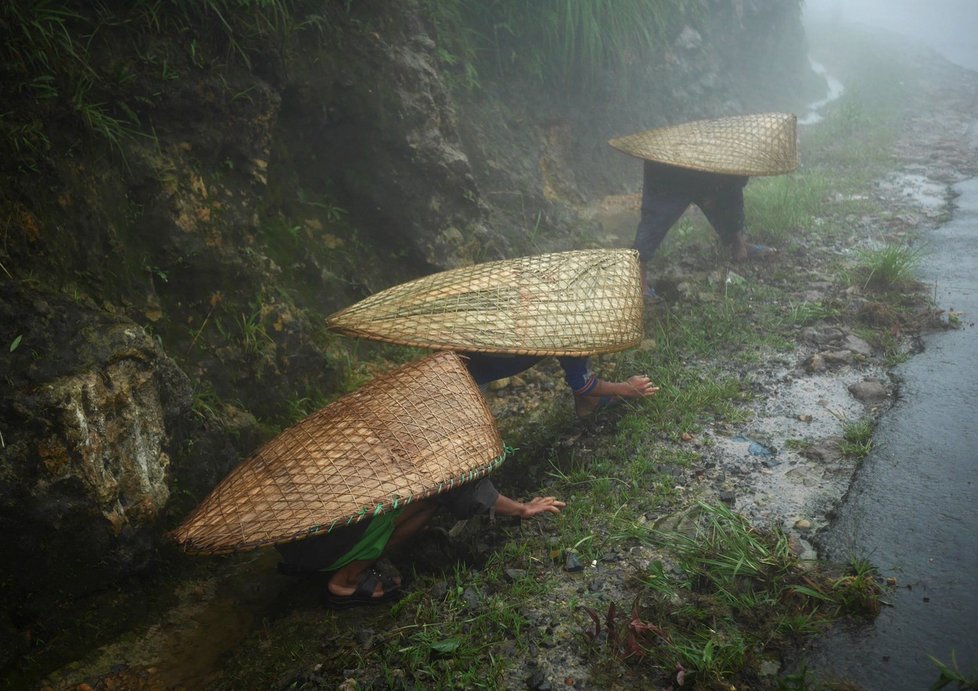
<point x="417" y="431"/>
<point x="567" y="303"/>
<point x="757" y="144"/>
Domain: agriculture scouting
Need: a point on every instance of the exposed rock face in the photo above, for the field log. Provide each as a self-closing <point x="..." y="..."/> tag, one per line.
<point x="106" y="434"/>
<point x="85" y="460"/>
<point x="378" y="122"/>
<point x="177" y="239"/>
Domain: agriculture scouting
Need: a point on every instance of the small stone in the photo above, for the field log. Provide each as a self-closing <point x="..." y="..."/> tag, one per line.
<point x="536" y="680"/>
<point x="816" y="363"/>
<point x="727" y="496"/>
<point x="868" y="391"/>
<point x="821" y="337"/>
<point x="471" y="598"/>
<point x="837" y="357"/>
<point x="572" y="562"/>
<point x="824" y="450"/>
<point x="735" y="279"/>
<point x="513" y="575"/>
<point x="439" y="590"/>
<point x="803" y="525"/>
<point x="858" y="345"/>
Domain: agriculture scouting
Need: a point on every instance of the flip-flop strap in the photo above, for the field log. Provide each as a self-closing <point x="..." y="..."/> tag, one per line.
<point x="386" y="582"/>
<point x="368" y="585"/>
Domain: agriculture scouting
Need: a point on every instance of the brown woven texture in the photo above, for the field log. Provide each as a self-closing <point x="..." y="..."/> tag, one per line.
<point x="567" y="303"/>
<point x="417" y="431"/>
<point x="756" y="144"/>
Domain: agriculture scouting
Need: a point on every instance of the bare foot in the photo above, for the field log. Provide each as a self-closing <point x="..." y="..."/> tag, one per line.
<point x="738" y="248"/>
<point x="606" y="393"/>
<point x="346" y="581"/>
<point x="741" y="250"/>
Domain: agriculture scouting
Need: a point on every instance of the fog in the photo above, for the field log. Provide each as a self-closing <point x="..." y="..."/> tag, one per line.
<point x="948" y="26"/>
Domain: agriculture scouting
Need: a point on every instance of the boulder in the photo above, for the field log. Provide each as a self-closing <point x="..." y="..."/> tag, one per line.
<point x="85" y="406"/>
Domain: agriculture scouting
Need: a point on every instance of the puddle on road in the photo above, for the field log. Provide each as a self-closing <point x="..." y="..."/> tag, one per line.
<point x="930" y="196"/>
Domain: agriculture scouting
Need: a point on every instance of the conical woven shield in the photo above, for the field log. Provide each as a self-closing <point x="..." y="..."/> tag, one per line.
<point x="417" y="431"/>
<point x="757" y="144"/>
<point x="567" y="303"/>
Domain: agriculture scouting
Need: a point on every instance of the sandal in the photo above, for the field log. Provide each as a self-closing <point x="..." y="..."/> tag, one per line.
<point x="755" y="251"/>
<point x="364" y="593"/>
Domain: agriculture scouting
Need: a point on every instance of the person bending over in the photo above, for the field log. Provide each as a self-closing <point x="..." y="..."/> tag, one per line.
<point x="590" y="393"/>
<point x="350" y="553"/>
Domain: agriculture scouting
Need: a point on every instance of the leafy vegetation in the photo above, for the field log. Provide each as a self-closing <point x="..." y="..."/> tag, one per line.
<point x="53" y="65"/>
<point x="783" y="207"/>
<point x="857" y="438"/>
<point x="571" y="45"/>
<point x="891" y="268"/>
<point x="950" y="676"/>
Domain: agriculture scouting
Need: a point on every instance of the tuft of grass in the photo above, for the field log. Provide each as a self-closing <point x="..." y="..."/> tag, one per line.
<point x="804" y="313"/>
<point x="49" y="59"/>
<point x="97" y="118"/>
<point x="207" y="403"/>
<point x="572" y="45"/>
<point x="949" y="674"/>
<point x="779" y="208"/>
<point x="857" y="438"/>
<point x="710" y="656"/>
<point x="726" y="553"/>
<point x="254" y="336"/>
<point x="892" y="268"/>
<point x="858" y="592"/>
<point x="722" y="596"/>
<point x="450" y="644"/>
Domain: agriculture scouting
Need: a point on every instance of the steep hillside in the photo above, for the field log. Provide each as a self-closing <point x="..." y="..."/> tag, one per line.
<point x="189" y="188"/>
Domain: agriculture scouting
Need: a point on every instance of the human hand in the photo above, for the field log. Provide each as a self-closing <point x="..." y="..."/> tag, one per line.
<point x="541" y="505"/>
<point x="642" y="385"/>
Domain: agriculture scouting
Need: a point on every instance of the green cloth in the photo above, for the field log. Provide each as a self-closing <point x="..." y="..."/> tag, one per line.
<point x="371" y="546"/>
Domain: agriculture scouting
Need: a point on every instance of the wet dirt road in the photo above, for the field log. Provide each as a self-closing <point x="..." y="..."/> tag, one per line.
<point x="913" y="507"/>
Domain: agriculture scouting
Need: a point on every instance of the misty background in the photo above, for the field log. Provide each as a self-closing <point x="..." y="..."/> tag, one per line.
<point x="949" y="27"/>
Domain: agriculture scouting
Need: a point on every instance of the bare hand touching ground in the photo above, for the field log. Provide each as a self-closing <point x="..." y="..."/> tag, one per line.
<point x="539" y="505"/>
<point x="510" y="507"/>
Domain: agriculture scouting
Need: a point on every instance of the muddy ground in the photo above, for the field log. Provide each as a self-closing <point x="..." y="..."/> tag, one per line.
<point x="756" y="467"/>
